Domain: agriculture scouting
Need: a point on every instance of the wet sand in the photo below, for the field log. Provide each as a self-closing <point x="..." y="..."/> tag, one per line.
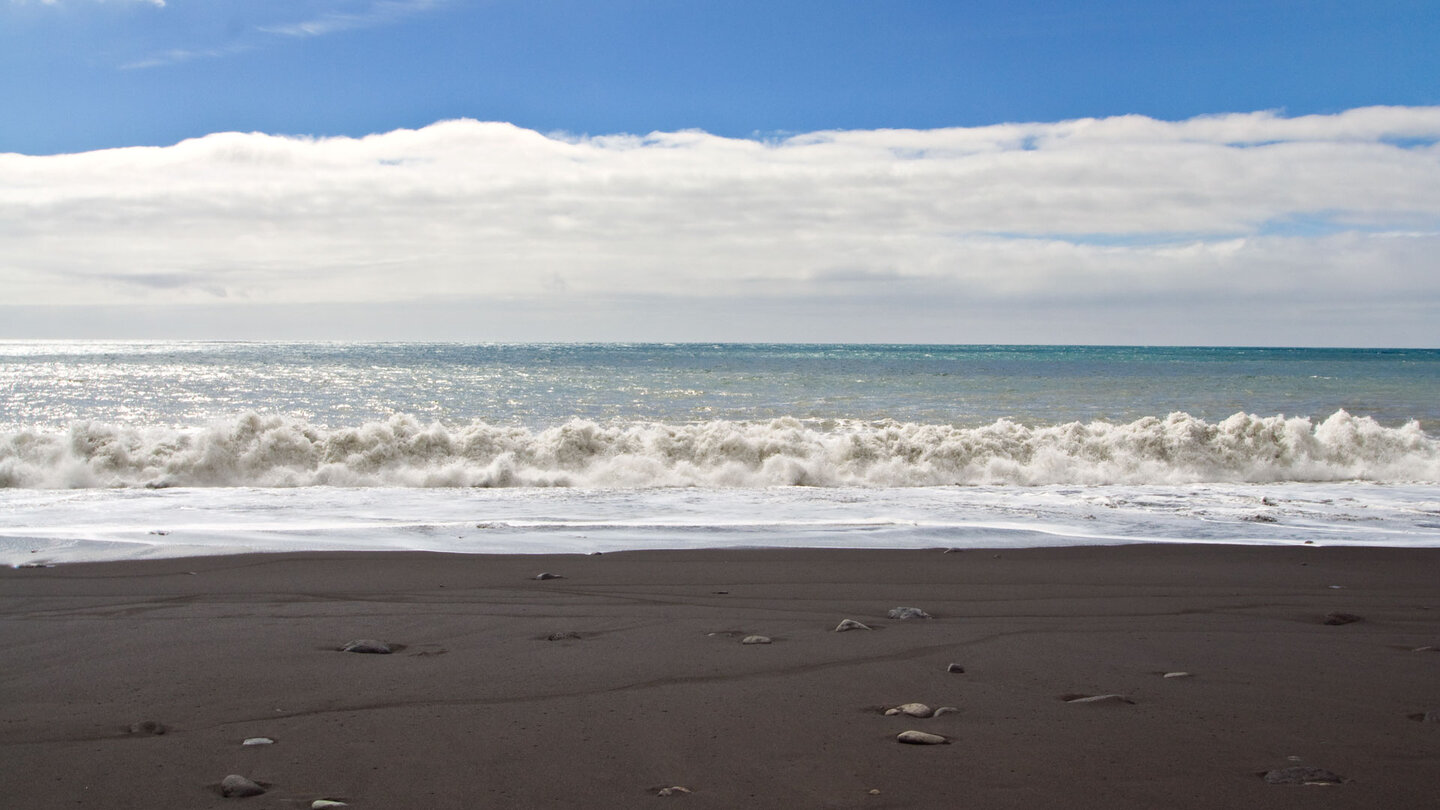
<point x="647" y="685"/>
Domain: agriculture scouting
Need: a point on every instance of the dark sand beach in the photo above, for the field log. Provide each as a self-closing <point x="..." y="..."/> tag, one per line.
<point x="646" y="684"/>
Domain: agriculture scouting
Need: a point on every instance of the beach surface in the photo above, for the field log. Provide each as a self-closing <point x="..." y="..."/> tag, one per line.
<point x="626" y="677"/>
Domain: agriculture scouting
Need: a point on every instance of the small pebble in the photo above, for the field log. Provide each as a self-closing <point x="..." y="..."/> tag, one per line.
<point x="911" y="710"/>
<point x="547" y="575"/>
<point x="236" y="786"/>
<point x="1432" y="716"/>
<point x="1176" y="675"/>
<point x="850" y="624"/>
<point x="956" y="668"/>
<point x="944" y="710"/>
<point x="319" y="803"/>
<point x="920" y="738"/>
<point x="755" y="640"/>
<point x="562" y="636"/>
<point x="1101" y="699"/>
<point x="369" y="646"/>
<point x="258" y="741"/>
<point x="903" y="613"/>
<point x="1341" y="618"/>
<point x="673" y="790"/>
<point x="874" y="791"/>
<point x="147" y="727"/>
<point x="1302" y="775"/>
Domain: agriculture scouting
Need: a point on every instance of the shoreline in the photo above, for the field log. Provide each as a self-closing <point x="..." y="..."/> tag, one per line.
<point x="628" y="674"/>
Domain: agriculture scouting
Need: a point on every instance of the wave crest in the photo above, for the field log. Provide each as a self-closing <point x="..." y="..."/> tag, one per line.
<point x="274" y="451"/>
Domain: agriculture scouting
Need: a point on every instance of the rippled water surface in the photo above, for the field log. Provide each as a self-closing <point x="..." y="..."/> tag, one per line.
<point x="335" y="384"/>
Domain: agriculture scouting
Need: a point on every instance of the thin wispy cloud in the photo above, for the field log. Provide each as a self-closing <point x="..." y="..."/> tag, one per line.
<point x="1236" y="216"/>
<point x="176" y="56"/>
<point x="156" y="3"/>
<point x="377" y="13"/>
<point x="316" y="18"/>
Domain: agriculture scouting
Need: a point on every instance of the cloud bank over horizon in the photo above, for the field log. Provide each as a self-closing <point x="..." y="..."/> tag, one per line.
<point x="1313" y="229"/>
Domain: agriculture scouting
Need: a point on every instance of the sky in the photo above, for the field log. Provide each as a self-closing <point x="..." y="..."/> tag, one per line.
<point x="1111" y="172"/>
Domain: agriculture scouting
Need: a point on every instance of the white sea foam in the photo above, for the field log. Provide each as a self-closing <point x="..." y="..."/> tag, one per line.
<point x="255" y="450"/>
<point x="54" y="526"/>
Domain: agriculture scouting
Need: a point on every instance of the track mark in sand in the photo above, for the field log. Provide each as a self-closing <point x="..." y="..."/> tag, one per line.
<point x="654" y="683"/>
<point x="111" y="610"/>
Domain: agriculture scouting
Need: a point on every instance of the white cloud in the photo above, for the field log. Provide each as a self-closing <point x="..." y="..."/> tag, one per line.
<point x="1225" y="218"/>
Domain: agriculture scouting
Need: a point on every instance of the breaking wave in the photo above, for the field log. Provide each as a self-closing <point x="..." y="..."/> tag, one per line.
<point x="255" y="450"/>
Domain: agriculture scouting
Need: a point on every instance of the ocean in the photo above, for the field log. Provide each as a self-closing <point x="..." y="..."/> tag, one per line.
<point x="119" y="450"/>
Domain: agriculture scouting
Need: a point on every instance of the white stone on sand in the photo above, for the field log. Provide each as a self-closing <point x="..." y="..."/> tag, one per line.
<point x="236" y="786"/>
<point x="1302" y="775"/>
<point x="920" y="738"/>
<point x="367" y="645"/>
<point x="910" y="709"/>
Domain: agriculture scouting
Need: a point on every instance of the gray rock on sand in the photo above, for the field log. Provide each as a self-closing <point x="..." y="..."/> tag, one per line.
<point x="673" y="790"/>
<point x="1100" y="699"/>
<point x="236" y="786"/>
<point x="903" y="613"/>
<point x="956" y="668"/>
<point x="910" y="710"/>
<point x="850" y="624"/>
<point x="1302" y="775"/>
<point x="1176" y="675"/>
<point x="945" y="710"/>
<point x="319" y="803"/>
<point x="920" y="738"/>
<point x="258" y="741"/>
<point x="565" y="635"/>
<point x="1432" y="716"/>
<point x="154" y="727"/>
<point x="756" y="640"/>
<point x="543" y="575"/>
<point x="369" y="646"/>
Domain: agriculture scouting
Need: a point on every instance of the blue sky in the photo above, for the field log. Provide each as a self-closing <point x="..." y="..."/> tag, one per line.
<point x="85" y="74"/>
<point x="1039" y="171"/>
